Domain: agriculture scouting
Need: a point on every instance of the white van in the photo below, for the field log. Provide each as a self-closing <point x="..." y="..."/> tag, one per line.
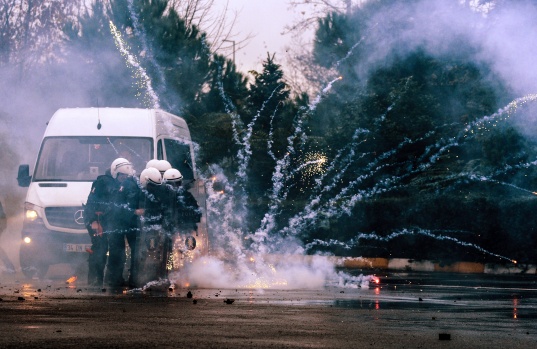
<point x="79" y="144"/>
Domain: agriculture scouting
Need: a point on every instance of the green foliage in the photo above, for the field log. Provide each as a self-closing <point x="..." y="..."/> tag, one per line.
<point x="426" y="156"/>
<point x="403" y="135"/>
<point x="227" y="88"/>
<point x="268" y="90"/>
<point x="504" y="146"/>
<point x="267" y="112"/>
<point x="330" y="44"/>
<point x="175" y="57"/>
<point x="214" y="133"/>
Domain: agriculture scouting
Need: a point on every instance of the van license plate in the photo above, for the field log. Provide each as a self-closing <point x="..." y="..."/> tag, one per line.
<point x="76" y="247"/>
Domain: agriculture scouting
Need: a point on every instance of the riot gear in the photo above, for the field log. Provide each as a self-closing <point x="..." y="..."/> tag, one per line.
<point x="173" y="176"/>
<point x="121" y="165"/>
<point x="163" y="166"/>
<point x="152" y="163"/>
<point x="150" y="175"/>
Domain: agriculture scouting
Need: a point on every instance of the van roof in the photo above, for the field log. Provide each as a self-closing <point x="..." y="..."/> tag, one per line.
<point x="126" y="122"/>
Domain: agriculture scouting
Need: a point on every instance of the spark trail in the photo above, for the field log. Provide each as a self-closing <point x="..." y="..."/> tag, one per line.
<point x="345" y="200"/>
<point x="263" y="241"/>
<point x="335" y="193"/>
<point x="138" y="30"/>
<point x="427" y="233"/>
<point x="143" y="82"/>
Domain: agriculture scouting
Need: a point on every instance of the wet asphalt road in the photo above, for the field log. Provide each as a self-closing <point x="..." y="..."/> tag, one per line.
<point x="402" y="311"/>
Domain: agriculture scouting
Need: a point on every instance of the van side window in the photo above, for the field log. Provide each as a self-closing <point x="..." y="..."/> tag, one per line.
<point x="179" y="156"/>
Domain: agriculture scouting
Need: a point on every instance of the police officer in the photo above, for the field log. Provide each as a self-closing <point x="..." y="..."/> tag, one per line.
<point x="123" y="222"/>
<point x="152" y="200"/>
<point x="154" y="242"/>
<point x="96" y="214"/>
<point x="182" y="209"/>
<point x="183" y="213"/>
<point x="162" y="166"/>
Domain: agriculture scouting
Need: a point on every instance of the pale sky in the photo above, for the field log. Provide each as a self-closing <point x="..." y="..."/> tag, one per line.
<point x="265" y="20"/>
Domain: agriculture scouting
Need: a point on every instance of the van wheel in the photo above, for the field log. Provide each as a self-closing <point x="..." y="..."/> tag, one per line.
<point x="32" y="269"/>
<point x="32" y="272"/>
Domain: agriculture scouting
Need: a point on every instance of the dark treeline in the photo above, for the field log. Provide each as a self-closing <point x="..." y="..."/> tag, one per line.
<point x="398" y="143"/>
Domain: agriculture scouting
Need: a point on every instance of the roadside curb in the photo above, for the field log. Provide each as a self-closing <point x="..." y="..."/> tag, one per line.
<point x="404" y="264"/>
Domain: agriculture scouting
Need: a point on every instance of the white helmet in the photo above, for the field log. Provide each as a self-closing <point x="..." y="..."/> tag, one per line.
<point x="163" y="166"/>
<point x="152" y="163"/>
<point x="172" y="175"/>
<point x="121" y="165"/>
<point x="150" y="175"/>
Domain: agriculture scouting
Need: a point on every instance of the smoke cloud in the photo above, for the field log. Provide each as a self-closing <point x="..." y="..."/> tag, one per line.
<point x="501" y="37"/>
<point x="504" y="38"/>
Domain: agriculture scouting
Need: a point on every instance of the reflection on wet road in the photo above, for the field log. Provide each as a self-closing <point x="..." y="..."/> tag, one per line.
<point x="415" y="309"/>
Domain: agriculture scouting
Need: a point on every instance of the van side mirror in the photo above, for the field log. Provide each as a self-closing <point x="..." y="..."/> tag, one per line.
<point x="23" y="176"/>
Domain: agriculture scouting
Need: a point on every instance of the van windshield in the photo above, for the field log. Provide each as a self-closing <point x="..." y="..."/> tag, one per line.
<point x="85" y="158"/>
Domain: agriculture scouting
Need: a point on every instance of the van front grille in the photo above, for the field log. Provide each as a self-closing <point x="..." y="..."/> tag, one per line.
<point x="66" y="217"/>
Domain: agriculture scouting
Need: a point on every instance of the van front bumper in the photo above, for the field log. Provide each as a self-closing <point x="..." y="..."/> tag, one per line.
<point x="43" y="246"/>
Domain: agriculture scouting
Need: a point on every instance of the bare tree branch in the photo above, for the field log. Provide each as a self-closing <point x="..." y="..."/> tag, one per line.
<point x="31" y="30"/>
<point x="303" y="74"/>
<point x="312" y="10"/>
<point x="217" y="22"/>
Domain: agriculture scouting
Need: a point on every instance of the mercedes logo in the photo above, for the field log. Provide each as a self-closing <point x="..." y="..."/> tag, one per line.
<point x="79" y="217"/>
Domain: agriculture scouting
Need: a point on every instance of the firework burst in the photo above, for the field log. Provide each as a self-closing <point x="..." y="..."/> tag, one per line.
<point x="311" y="165"/>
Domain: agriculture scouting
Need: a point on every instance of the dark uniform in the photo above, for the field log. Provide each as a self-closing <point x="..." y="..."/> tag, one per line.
<point x="181" y="215"/>
<point x="154" y="241"/>
<point x="123" y="224"/>
<point x="153" y="202"/>
<point x="96" y="213"/>
<point x="181" y="210"/>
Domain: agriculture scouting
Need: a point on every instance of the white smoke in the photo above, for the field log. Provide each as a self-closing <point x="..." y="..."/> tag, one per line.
<point x="504" y="38"/>
<point x="267" y="272"/>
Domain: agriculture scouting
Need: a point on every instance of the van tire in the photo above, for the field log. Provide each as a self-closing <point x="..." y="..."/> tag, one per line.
<point x="32" y="272"/>
<point x="31" y="269"/>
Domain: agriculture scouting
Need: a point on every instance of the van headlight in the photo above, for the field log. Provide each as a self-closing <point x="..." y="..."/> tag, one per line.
<point x="30" y="212"/>
<point x="31" y="215"/>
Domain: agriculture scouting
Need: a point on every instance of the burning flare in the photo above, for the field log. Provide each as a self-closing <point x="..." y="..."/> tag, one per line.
<point x="71" y="279"/>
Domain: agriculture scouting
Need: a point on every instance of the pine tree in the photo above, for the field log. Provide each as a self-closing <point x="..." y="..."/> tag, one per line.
<point x="175" y="57"/>
<point x="268" y="90"/>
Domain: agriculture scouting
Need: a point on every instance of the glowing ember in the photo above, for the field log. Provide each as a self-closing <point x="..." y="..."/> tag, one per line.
<point x="71" y="279"/>
<point x="261" y="283"/>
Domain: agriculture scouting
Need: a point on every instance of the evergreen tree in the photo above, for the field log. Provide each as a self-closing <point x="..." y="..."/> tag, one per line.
<point x="175" y="57"/>
<point x="94" y="60"/>
<point x="266" y="113"/>
<point x="181" y="55"/>
<point x="268" y="90"/>
<point x="212" y="128"/>
<point x="420" y="150"/>
<point x="267" y="101"/>
<point x="228" y="88"/>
